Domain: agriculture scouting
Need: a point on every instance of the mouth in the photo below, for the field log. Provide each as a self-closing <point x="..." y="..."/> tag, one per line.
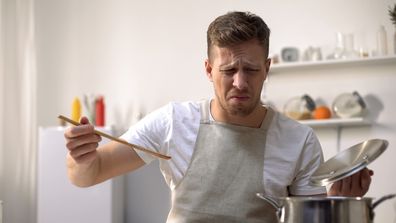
<point x="239" y="98"/>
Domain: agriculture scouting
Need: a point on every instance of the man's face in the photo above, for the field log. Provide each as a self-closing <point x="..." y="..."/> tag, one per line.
<point x="238" y="73"/>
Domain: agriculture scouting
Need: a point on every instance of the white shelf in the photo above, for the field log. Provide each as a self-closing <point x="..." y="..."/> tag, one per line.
<point x="292" y="66"/>
<point x="336" y="122"/>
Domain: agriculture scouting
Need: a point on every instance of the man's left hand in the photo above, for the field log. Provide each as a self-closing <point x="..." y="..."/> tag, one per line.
<point x="356" y="185"/>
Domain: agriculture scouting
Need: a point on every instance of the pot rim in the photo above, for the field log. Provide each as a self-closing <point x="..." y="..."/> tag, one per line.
<point x="326" y="198"/>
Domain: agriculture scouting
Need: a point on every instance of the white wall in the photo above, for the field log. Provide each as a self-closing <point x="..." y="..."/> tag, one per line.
<point x="142" y="54"/>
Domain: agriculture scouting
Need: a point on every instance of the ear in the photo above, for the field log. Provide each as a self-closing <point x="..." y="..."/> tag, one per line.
<point x="267" y="65"/>
<point x="208" y="69"/>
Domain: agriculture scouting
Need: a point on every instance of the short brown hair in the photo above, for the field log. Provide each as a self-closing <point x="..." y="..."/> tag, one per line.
<point x="237" y="27"/>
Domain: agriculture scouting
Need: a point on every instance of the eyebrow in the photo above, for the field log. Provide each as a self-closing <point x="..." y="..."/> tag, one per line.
<point x="225" y="66"/>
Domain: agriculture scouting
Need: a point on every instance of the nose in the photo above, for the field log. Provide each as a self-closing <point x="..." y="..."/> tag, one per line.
<point x="240" y="80"/>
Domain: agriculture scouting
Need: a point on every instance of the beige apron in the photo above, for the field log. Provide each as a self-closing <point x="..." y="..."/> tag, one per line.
<point x="224" y="175"/>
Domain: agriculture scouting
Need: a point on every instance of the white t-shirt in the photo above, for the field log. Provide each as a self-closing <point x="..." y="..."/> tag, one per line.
<point x="292" y="151"/>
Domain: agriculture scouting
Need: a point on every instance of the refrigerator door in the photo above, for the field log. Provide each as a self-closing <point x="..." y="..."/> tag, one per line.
<point x="62" y="202"/>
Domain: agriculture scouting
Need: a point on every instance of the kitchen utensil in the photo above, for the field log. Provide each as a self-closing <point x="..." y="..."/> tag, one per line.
<point x="339" y="51"/>
<point x="348" y="162"/>
<point x="382" y="42"/>
<point x="89" y="103"/>
<point x="348" y="105"/>
<point x="324" y="209"/>
<point x="159" y="155"/>
<point x="290" y="54"/>
<point x="312" y="54"/>
<point x="300" y="107"/>
<point x="350" y="52"/>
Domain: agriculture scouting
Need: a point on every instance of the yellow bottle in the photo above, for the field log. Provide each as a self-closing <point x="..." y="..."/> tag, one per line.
<point x="76" y="110"/>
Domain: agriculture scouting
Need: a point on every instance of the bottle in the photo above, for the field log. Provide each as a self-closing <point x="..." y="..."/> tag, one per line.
<point x="76" y="110"/>
<point x="100" y="111"/>
<point x="382" y="42"/>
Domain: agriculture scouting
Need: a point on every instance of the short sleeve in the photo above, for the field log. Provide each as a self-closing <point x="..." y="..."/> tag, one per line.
<point x="310" y="159"/>
<point x="150" y="132"/>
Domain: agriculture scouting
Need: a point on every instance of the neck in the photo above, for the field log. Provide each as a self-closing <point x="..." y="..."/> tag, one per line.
<point x="253" y="120"/>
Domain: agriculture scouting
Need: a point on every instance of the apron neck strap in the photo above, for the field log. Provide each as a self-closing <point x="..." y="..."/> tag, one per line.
<point x="205" y="111"/>
<point x="205" y="114"/>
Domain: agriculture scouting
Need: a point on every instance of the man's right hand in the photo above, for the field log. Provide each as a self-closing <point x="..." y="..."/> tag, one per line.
<point x="87" y="165"/>
<point x="82" y="142"/>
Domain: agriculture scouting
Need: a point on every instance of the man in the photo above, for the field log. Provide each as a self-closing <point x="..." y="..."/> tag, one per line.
<point x="224" y="150"/>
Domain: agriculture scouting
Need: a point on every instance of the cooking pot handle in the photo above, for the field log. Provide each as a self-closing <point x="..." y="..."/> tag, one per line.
<point x="379" y="201"/>
<point x="382" y="199"/>
<point x="272" y="200"/>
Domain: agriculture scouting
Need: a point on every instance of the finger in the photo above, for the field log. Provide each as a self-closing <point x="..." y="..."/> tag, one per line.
<point x="75" y="131"/>
<point x="346" y="186"/>
<point x="81" y="151"/>
<point x="356" y="184"/>
<point x="84" y="120"/>
<point x="365" y="181"/>
<point x="366" y="172"/>
<point x="335" y="188"/>
<point x="86" y="158"/>
<point x="76" y="142"/>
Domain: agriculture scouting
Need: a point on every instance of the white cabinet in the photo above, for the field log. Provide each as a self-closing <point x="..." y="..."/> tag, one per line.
<point x="61" y="202"/>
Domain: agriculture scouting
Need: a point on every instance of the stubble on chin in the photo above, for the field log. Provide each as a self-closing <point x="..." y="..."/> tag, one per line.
<point x="238" y="110"/>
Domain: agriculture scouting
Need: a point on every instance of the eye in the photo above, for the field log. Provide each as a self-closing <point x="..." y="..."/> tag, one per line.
<point x="251" y="70"/>
<point x="229" y="71"/>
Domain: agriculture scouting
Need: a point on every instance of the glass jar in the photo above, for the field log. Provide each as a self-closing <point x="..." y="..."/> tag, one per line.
<point x="300" y="108"/>
<point x="348" y="105"/>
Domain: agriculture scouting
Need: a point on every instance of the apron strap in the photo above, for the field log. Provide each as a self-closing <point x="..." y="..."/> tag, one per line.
<point x="205" y="111"/>
<point x="267" y="119"/>
<point x="205" y="114"/>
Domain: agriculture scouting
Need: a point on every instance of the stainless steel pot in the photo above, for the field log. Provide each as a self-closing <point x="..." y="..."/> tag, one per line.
<point x="324" y="209"/>
<point x="334" y="209"/>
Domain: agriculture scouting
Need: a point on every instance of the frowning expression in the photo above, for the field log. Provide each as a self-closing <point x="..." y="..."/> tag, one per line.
<point x="238" y="73"/>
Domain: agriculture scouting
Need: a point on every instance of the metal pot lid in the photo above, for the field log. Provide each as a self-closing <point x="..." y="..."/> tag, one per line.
<point x="348" y="162"/>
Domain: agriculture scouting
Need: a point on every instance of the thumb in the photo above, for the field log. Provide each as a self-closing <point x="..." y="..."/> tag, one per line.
<point x="84" y="120"/>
